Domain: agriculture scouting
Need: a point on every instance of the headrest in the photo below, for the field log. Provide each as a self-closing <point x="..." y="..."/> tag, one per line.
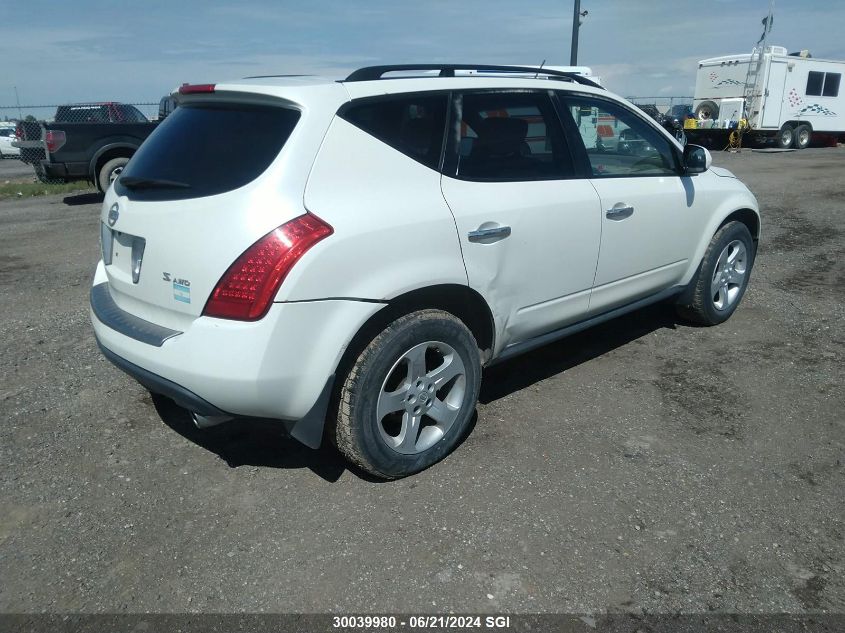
<point x="416" y="136"/>
<point x="500" y="136"/>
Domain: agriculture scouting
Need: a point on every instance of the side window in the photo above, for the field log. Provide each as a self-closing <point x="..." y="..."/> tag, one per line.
<point x="831" y="85"/>
<point x="814" y="84"/>
<point x="507" y="136"/>
<point x="823" y="84"/>
<point x="618" y="142"/>
<point x="131" y="114"/>
<point x="412" y="124"/>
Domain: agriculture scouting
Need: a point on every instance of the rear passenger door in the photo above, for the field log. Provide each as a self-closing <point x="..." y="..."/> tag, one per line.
<point x="529" y="229"/>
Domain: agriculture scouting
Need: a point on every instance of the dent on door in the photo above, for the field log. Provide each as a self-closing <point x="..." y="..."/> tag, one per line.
<point x="530" y="250"/>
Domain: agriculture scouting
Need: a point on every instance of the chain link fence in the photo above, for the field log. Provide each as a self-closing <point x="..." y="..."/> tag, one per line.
<point x="664" y="105"/>
<point x="49" y="113"/>
<point x="77" y="112"/>
<point x="113" y="111"/>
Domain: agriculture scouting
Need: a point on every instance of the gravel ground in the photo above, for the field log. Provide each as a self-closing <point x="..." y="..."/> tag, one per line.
<point x="642" y="466"/>
<point x="13" y="170"/>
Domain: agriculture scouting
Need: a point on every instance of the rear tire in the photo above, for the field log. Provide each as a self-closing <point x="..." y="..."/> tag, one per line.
<point x="110" y="172"/>
<point x="803" y="136"/>
<point x="410" y="396"/>
<point x="786" y="137"/>
<point x="722" y="278"/>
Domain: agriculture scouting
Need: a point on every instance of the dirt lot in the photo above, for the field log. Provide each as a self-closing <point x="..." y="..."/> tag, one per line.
<point x="13" y="170"/>
<point x="642" y="466"/>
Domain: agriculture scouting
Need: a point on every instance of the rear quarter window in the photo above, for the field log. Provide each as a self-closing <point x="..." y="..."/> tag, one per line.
<point x="129" y="114"/>
<point x="208" y="149"/>
<point x="413" y="124"/>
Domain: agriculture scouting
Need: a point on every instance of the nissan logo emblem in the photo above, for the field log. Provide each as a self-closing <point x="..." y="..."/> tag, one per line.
<point x="114" y="213"/>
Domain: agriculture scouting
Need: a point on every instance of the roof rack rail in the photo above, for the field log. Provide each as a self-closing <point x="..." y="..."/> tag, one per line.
<point x="371" y="73"/>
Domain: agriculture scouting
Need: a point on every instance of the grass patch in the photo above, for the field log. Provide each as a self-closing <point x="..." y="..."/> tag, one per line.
<point x="32" y="189"/>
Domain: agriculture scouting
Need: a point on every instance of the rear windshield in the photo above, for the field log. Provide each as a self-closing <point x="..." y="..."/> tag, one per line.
<point x="204" y="150"/>
<point x="82" y="114"/>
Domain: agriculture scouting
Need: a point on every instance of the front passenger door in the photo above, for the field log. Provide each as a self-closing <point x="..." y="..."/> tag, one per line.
<point x="650" y="214"/>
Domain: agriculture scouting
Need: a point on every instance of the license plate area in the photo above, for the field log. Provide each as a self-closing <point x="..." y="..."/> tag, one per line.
<point x="123" y="253"/>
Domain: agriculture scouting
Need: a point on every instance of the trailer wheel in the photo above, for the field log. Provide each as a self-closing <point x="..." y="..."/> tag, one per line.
<point x="803" y="135"/>
<point x="786" y="137"/>
<point x="707" y="111"/>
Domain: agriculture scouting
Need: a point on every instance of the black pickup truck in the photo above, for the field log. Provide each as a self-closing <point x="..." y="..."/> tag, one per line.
<point x="91" y="141"/>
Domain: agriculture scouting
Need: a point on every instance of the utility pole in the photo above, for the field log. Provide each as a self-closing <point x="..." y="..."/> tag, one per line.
<point x="18" y="101"/>
<point x="577" y="14"/>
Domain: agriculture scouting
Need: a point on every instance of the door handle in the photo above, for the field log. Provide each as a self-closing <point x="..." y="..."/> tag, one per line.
<point x="485" y="234"/>
<point x="619" y="211"/>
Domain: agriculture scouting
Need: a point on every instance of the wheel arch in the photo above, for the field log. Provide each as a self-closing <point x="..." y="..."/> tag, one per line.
<point x="749" y="218"/>
<point x="461" y="301"/>
<point x="794" y="123"/>
<point x="103" y="155"/>
<point x="739" y="209"/>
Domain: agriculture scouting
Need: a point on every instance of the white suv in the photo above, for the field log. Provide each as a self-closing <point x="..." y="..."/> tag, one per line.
<point x="345" y="256"/>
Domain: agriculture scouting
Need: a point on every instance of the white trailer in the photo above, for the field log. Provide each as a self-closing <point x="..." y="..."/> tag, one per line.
<point x="785" y="98"/>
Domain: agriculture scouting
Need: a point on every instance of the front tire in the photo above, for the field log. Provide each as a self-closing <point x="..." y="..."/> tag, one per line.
<point x="110" y="172"/>
<point x="410" y="396"/>
<point x="722" y="278"/>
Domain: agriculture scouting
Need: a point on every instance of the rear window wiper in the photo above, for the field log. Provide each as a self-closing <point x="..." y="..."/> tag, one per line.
<point x="133" y="182"/>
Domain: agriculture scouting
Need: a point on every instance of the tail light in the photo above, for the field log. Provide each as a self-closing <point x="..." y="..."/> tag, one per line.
<point x="54" y="139"/>
<point x="246" y="290"/>
<point x="19" y="133"/>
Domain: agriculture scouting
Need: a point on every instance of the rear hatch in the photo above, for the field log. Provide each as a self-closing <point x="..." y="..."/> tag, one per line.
<point x="201" y="189"/>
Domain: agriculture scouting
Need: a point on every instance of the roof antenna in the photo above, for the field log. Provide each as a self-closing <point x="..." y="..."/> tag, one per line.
<point x="539" y="69"/>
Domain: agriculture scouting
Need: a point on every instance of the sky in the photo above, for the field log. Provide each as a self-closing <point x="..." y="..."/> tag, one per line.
<point x="94" y="50"/>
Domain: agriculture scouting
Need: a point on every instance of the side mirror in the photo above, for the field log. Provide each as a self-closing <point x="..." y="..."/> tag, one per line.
<point x="696" y="159"/>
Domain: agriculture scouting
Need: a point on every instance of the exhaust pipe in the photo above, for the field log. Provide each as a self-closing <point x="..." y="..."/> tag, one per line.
<point x="206" y="421"/>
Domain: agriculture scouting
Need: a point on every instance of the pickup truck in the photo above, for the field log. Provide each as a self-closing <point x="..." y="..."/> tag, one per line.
<point x="85" y="142"/>
<point x="28" y="140"/>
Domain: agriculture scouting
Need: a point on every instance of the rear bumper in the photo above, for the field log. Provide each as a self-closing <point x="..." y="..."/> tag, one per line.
<point x="280" y="367"/>
<point x="156" y="384"/>
<point x="307" y="429"/>
<point x="66" y="171"/>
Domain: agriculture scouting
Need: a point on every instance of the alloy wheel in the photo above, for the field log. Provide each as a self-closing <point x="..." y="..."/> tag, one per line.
<point x="421" y="397"/>
<point x="729" y="275"/>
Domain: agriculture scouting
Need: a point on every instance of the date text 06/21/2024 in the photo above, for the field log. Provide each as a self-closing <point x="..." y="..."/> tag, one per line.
<point x="422" y="622"/>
